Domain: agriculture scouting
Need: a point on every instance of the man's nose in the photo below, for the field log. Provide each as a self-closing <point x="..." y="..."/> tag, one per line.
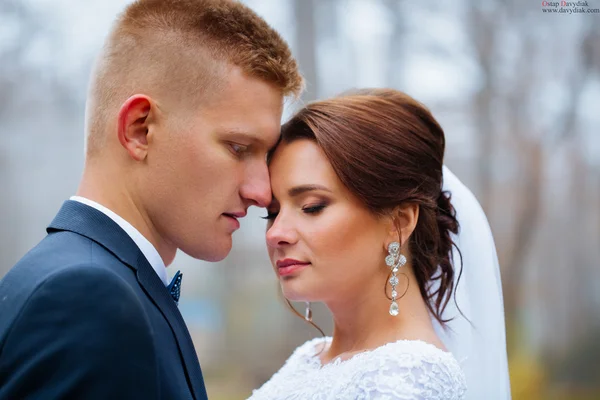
<point x="257" y="187"/>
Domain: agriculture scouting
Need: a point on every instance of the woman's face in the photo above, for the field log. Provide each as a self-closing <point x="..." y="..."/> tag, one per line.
<point x="323" y="243"/>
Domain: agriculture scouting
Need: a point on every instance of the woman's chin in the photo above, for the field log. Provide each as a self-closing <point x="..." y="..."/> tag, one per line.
<point x="292" y="293"/>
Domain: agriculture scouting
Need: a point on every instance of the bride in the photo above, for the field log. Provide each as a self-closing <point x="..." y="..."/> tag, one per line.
<point x="366" y="219"/>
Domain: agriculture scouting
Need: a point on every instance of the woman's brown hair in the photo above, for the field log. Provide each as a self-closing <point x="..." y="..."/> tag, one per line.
<point x="388" y="149"/>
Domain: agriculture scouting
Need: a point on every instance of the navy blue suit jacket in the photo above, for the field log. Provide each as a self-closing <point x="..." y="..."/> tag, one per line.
<point x="84" y="316"/>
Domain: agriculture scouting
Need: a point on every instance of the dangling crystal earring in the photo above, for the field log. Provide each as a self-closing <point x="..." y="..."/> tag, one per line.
<point x="308" y="312"/>
<point x="394" y="260"/>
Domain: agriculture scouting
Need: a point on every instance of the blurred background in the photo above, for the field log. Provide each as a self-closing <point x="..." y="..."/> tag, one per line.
<point x="515" y="86"/>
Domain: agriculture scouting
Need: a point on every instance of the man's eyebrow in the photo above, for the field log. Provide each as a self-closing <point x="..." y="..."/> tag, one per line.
<point x="252" y="137"/>
<point x="298" y="190"/>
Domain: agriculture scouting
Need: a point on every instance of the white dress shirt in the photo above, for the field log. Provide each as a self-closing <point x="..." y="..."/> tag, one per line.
<point x="147" y="249"/>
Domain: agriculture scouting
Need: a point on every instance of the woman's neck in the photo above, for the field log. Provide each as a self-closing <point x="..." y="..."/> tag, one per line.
<point x="364" y="323"/>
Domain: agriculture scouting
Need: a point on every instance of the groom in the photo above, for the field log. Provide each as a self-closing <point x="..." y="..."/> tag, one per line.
<point x="185" y="101"/>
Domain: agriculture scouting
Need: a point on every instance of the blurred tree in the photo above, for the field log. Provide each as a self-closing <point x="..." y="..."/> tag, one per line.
<point x="306" y="46"/>
<point x="20" y="26"/>
<point x="506" y="112"/>
<point x="517" y="69"/>
<point x="395" y="59"/>
<point x="483" y="27"/>
<point x="536" y="154"/>
<point x="26" y="87"/>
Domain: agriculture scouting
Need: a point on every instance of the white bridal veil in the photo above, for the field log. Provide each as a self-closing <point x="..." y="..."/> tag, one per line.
<point x="479" y="346"/>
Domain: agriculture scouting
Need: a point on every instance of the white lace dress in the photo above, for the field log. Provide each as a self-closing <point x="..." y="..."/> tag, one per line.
<point x="405" y="369"/>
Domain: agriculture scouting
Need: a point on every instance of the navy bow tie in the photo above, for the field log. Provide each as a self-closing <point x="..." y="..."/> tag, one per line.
<point x="174" y="287"/>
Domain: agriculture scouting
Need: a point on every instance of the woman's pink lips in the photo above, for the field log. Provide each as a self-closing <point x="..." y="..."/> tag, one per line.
<point x="287" y="266"/>
<point x="284" y="271"/>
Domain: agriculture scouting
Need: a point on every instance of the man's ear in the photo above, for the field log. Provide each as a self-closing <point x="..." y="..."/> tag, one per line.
<point x="133" y="124"/>
<point x="403" y="222"/>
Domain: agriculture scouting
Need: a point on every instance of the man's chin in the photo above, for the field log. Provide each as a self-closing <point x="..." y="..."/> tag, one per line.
<point x="216" y="252"/>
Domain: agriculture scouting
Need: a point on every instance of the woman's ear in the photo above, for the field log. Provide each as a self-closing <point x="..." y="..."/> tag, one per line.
<point x="403" y="222"/>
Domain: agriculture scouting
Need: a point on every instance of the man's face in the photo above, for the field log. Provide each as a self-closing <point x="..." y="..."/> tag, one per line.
<point x="207" y="169"/>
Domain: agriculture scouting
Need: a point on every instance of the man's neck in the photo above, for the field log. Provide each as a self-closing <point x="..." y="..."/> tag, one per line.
<point x="117" y="199"/>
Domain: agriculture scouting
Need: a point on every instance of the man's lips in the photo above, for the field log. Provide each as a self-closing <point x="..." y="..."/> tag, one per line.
<point x="236" y="215"/>
<point x="289" y="266"/>
<point x="233" y="217"/>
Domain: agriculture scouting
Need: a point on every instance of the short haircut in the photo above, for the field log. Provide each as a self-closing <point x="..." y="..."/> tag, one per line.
<point x="179" y="48"/>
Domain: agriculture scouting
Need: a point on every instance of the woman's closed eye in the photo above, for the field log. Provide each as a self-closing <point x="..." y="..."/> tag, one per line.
<point x="313" y="209"/>
<point x="310" y="209"/>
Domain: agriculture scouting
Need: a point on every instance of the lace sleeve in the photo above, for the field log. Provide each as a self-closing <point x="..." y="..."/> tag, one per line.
<point x="405" y="370"/>
<point x="411" y="377"/>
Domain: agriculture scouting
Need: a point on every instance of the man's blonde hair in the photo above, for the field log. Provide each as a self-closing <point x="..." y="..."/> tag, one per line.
<point x="178" y="48"/>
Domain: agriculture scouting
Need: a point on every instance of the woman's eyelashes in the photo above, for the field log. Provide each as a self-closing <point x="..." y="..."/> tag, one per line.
<point x="309" y="209"/>
<point x="271" y="215"/>
<point x="314" y="209"/>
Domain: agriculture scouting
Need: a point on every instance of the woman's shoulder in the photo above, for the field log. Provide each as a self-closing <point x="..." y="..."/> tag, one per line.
<point x="414" y="366"/>
<point x="404" y="369"/>
<point x="402" y="358"/>
<point x="416" y="353"/>
<point x="399" y="354"/>
<point x="310" y="349"/>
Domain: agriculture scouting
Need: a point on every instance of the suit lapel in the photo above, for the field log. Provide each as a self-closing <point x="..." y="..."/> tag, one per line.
<point x="156" y="290"/>
<point x="87" y="221"/>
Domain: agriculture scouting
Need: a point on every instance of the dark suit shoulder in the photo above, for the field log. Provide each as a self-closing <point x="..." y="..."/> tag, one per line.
<point x="62" y="258"/>
<point x="65" y="248"/>
<point x="79" y="320"/>
<point x="89" y="291"/>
